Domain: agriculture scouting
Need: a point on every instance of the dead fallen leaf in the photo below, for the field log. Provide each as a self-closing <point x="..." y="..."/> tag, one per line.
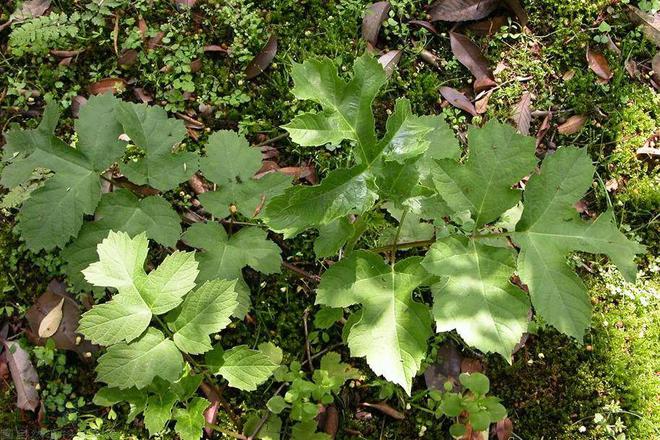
<point x="504" y="429"/>
<point x="127" y="58"/>
<point x="307" y="172"/>
<point x="215" y="48"/>
<point x="489" y="26"/>
<point x="650" y="23"/>
<point x="155" y="40"/>
<point x="458" y="100"/>
<point x="374" y="16"/>
<point x="186" y="3"/>
<point x="330" y="421"/>
<point x="429" y="57"/>
<point x="543" y="129"/>
<point x="599" y="65"/>
<point x="471" y="365"/>
<point x="520" y="12"/>
<point x="66" y="53"/>
<point x="31" y="9"/>
<point x="23" y="375"/>
<point x="655" y="65"/>
<point x="612" y="185"/>
<point x="142" y="28"/>
<point x="471" y="57"/>
<point x="50" y="323"/>
<point x="65" y="61"/>
<point x="143" y="95"/>
<point x="424" y="24"/>
<point x="572" y="125"/>
<point x="447" y="367"/>
<point x="196" y="65"/>
<point x="481" y="106"/>
<point x="522" y="113"/>
<point x="385" y="409"/>
<point x="76" y="104"/>
<point x="389" y="61"/>
<point x="648" y="151"/>
<point x="107" y="85"/>
<point x="65" y="336"/>
<point x="462" y="10"/>
<point x="263" y="59"/>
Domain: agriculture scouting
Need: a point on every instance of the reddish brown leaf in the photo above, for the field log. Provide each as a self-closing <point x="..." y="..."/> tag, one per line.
<point x="389" y="61"/>
<point x="447" y="367"/>
<point x="215" y="48"/>
<point x="196" y="65"/>
<point x="462" y="10"/>
<point x="458" y="100"/>
<point x="65" y="61"/>
<point x="650" y="23"/>
<point x="30" y="9"/>
<point x="142" y="28"/>
<point x="598" y="63"/>
<point x="471" y="365"/>
<point x="504" y="429"/>
<point x="307" y="172"/>
<point x="186" y="3"/>
<point x="66" y="53"/>
<point x="385" y="409"/>
<point x="373" y="18"/>
<point x="127" y="58"/>
<point x="142" y="95"/>
<point x="543" y="129"/>
<point x="23" y="375"/>
<point x="107" y="85"/>
<point x="65" y="337"/>
<point x="489" y="26"/>
<point x="522" y="113"/>
<point x="517" y="9"/>
<point x="424" y="24"/>
<point x="572" y="125"/>
<point x="481" y="106"/>
<point x="76" y="104"/>
<point x="155" y="40"/>
<point x="263" y="59"/>
<point x="655" y="65"/>
<point x="471" y="57"/>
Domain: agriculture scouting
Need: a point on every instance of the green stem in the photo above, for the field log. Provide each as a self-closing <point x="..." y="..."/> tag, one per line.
<point x="228" y="432"/>
<point x="393" y="246"/>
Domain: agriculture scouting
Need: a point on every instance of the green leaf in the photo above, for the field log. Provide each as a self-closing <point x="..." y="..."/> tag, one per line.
<point x="550" y="229"/>
<point x="394" y="329"/>
<point x="412" y="228"/>
<point x="121" y="266"/>
<point x="338" y="371"/>
<point x="138" y="363"/>
<point x="276" y="404"/>
<point x="307" y="431"/>
<point x="190" y="421"/>
<point x="204" y="311"/>
<point x="159" y="411"/>
<point x="231" y="163"/>
<point x="120" y="211"/>
<point x="98" y="131"/>
<point x="149" y="128"/>
<point x="327" y="316"/>
<point x="478" y="300"/>
<point x="272" y="351"/>
<point x="346" y="105"/>
<point x="475" y="382"/>
<point x="498" y="158"/>
<point x="342" y="192"/>
<point x="332" y="237"/>
<point x="479" y="420"/>
<point x="246" y="369"/>
<point x="269" y="431"/>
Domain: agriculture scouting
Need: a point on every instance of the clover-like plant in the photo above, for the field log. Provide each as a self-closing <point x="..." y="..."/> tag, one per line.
<point x="154" y="325"/>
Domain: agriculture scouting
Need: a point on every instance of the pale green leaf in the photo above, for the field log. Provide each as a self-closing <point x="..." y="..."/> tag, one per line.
<point x="550" y="229"/>
<point x="478" y="300"/>
<point x="310" y="129"/>
<point x="393" y="330"/>
<point x="166" y="285"/>
<point x="138" y="363"/>
<point x="204" y="311"/>
<point x="269" y="431"/>
<point x="498" y="158"/>
<point x="159" y="411"/>
<point x="245" y="368"/>
<point x="149" y="128"/>
<point x="332" y="237"/>
<point x="190" y="421"/>
<point x="307" y="431"/>
<point x="121" y="261"/>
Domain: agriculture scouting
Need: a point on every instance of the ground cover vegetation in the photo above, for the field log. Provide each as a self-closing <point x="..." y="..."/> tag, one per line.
<point x="419" y="220"/>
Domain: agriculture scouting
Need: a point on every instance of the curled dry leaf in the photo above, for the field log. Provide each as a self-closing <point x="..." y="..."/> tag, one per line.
<point x="127" y="58"/>
<point x="504" y="429"/>
<point x="373" y="18"/>
<point x="385" y="409"/>
<point x="23" y="375"/>
<point x="572" y="125"/>
<point x="263" y="59"/>
<point x="76" y="104"/>
<point x="215" y="48"/>
<point x="655" y="65"/>
<point x="51" y="322"/>
<point x="389" y="61"/>
<point x="462" y="10"/>
<point x="599" y="65"/>
<point x="481" y="106"/>
<point x="155" y="40"/>
<point x="31" y="9"/>
<point x="489" y="26"/>
<point x="429" y="58"/>
<point x="471" y="365"/>
<point x="107" y="85"/>
<point x="650" y="23"/>
<point x="186" y="3"/>
<point x="458" y="100"/>
<point x="471" y="57"/>
<point x="520" y="12"/>
<point x="66" y="53"/>
<point x="522" y="114"/>
<point x="65" y="336"/>
<point x="424" y="24"/>
<point x="543" y="129"/>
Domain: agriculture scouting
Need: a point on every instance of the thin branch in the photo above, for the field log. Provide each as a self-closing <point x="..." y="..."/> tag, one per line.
<point x="228" y="432"/>
<point x="271" y="140"/>
<point x="301" y="272"/>
<point x="308" y="349"/>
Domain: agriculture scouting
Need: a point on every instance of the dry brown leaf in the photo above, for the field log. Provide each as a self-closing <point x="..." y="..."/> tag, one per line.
<point x="215" y="48"/>
<point x="196" y="65"/>
<point x="50" y="323"/>
<point x="655" y="65"/>
<point x="331" y="421"/>
<point x="155" y="40"/>
<point x="127" y="58"/>
<point x="520" y="12"/>
<point x="471" y="57"/>
<point x="447" y="367"/>
<point x="31" y="9"/>
<point x="142" y="28"/>
<point x="522" y="113"/>
<point x="429" y="57"/>
<point x="504" y="429"/>
<point x="66" y="53"/>
<point x="462" y="10"/>
<point x="385" y="409"/>
<point x="263" y="59"/>
<point x="76" y="104"/>
<point x="543" y="129"/>
<point x="650" y="23"/>
<point x="107" y="85"/>
<point x="424" y="24"/>
<point x="458" y="100"/>
<point x="471" y="365"/>
<point x="142" y="95"/>
<point x="599" y="65"/>
<point x="23" y="375"/>
<point x="186" y="3"/>
<point x="389" y="61"/>
<point x="489" y="26"/>
<point x="572" y="125"/>
<point x="481" y="106"/>
<point x="373" y="18"/>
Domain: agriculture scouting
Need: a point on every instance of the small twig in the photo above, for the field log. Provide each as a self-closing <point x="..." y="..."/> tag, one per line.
<point x="228" y="432"/>
<point x="263" y="420"/>
<point x="301" y="272"/>
<point x="308" y="349"/>
<point x="271" y="140"/>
